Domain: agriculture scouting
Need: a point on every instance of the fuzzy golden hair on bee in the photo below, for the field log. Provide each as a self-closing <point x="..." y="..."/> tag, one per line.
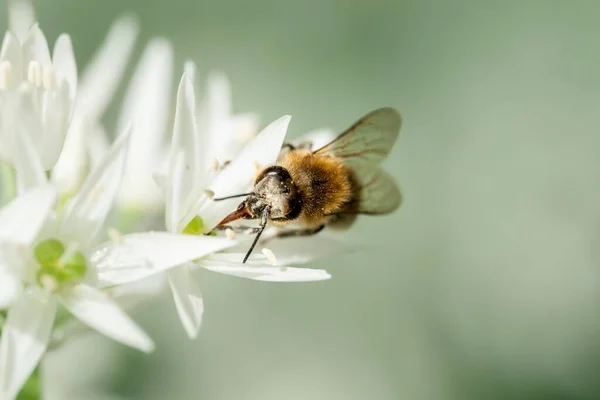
<point x="323" y="184"/>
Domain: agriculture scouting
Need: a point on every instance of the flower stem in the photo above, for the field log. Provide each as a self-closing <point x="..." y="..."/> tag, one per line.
<point x="33" y="387"/>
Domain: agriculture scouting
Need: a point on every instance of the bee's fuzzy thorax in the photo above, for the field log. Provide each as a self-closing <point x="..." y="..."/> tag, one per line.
<point x="323" y="182"/>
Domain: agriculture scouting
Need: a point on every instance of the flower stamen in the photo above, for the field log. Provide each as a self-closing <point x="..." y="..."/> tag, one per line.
<point x="270" y="256"/>
<point x="5" y="75"/>
<point x="49" y="77"/>
<point x="49" y="282"/>
<point x="115" y="236"/>
<point x="230" y="234"/>
<point x="214" y="165"/>
<point x="34" y="73"/>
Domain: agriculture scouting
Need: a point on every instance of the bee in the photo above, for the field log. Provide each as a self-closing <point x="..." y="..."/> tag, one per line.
<point x="326" y="187"/>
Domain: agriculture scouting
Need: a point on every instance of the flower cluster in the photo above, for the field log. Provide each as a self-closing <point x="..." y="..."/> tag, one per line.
<point x="67" y="188"/>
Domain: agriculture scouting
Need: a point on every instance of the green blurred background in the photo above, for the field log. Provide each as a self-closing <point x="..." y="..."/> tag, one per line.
<point x="485" y="285"/>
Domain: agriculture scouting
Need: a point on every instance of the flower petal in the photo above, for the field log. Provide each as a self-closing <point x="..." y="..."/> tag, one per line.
<point x="184" y="163"/>
<point x="29" y="169"/>
<point x="11" y="52"/>
<point x="160" y="180"/>
<point x="130" y="295"/>
<point x="173" y="192"/>
<point x="10" y="287"/>
<point x="289" y="251"/>
<point x="22" y="218"/>
<point x="86" y="212"/>
<point x="21" y="17"/>
<point x="245" y="128"/>
<point x="239" y="175"/>
<point x="35" y="47"/>
<point x="216" y="106"/>
<point x="24" y="339"/>
<point x="189" y="68"/>
<point x="63" y="61"/>
<point x="268" y="274"/>
<point x="73" y="163"/>
<point x="140" y="255"/>
<point x="57" y="106"/>
<point x="146" y="107"/>
<point x="95" y="309"/>
<point x="188" y="299"/>
<point x="101" y="77"/>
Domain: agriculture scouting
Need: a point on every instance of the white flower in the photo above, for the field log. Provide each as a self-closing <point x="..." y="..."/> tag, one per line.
<point x="86" y="142"/>
<point x="62" y="264"/>
<point x="53" y="266"/>
<point x="20" y="222"/>
<point x="37" y="91"/>
<point x="147" y="105"/>
<point x="223" y="133"/>
<point x="188" y="191"/>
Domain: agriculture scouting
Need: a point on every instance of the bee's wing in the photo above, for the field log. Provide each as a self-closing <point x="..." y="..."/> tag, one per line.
<point x="380" y="195"/>
<point x="367" y="143"/>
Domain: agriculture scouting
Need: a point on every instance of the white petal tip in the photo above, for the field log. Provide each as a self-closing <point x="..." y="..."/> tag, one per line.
<point x="148" y="347"/>
<point x="127" y="22"/>
<point x="192" y="335"/>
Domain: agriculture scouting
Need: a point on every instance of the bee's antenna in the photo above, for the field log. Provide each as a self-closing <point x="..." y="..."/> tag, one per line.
<point x="231" y="197"/>
<point x="263" y="224"/>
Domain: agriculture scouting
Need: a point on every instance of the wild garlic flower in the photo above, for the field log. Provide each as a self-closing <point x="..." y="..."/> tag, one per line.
<point x="189" y="188"/>
<point x="20" y="222"/>
<point x="62" y="264"/>
<point x="53" y="264"/>
<point x="86" y="142"/>
<point x="224" y="133"/>
<point x="147" y="104"/>
<point x="37" y="90"/>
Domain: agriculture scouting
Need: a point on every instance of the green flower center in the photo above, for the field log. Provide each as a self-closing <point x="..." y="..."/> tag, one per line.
<point x="57" y="265"/>
<point x="195" y="227"/>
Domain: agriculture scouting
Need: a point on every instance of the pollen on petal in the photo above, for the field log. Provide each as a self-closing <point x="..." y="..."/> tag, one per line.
<point x="270" y="256"/>
<point x="49" y="283"/>
<point x="230" y="234"/>
<point x="209" y="193"/>
<point x="5" y="75"/>
<point x="34" y="73"/>
<point x="215" y="166"/>
<point x="115" y="236"/>
<point x="48" y="77"/>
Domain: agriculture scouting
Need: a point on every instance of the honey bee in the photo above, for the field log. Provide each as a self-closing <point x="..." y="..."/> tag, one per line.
<point x="327" y="187"/>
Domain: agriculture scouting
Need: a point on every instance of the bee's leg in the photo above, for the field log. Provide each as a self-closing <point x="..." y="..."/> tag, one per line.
<point x="263" y="223"/>
<point x="298" y="232"/>
<point x="242" y="229"/>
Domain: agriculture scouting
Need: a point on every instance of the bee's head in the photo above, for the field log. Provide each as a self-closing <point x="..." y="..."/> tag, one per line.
<point x="274" y="188"/>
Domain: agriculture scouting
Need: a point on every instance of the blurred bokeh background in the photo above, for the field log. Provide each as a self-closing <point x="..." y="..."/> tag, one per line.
<point x="485" y="285"/>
